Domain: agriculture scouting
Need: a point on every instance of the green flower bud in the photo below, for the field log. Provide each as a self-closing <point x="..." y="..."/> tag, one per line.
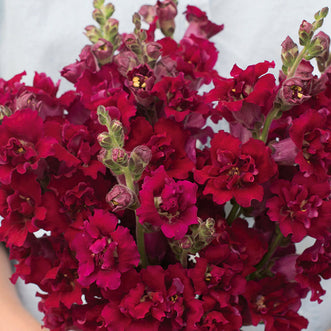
<point x="92" y="33"/>
<point x="139" y="158"/>
<point x="117" y="131"/>
<point x="105" y="140"/>
<point x="108" y="10"/>
<point x="321" y="13"/>
<point x="119" y="156"/>
<point x="4" y="112"/>
<point x="107" y="159"/>
<point x="289" y="52"/>
<point x="111" y="30"/>
<point x="306" y="32"/>
<point x="98" y="3"/>
<point x="103" y="115"/>
<point x="98" y="16"/>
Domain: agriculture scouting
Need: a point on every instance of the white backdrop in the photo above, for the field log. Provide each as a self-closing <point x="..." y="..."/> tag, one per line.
<point x="45" y="35"/>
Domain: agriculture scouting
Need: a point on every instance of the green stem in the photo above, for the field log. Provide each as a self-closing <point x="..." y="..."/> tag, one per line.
<point x="297" y="61"/>
<point x="140" y="233"/>
<point x="183" y="259"/>
<point x="274" y="245"/>
<point x="234" y="213"/>
<point x="270" y="117"/>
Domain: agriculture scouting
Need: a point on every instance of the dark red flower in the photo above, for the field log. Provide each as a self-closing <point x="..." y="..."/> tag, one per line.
<point x="199" y="24"/>
<point x="104" y="251"/>
<point x="313" y="265"/>
<point x="167" y="204"/>
<point x="179" y="100"/>
<point x="21" y="148"/>
<point x="300" y="207"/>
<point x="247" y="96"/>
<point x="159" y="300"/>
<point x="236" y="171"/>
<point x="275" y="302"/>
<point x="312" y="136"/>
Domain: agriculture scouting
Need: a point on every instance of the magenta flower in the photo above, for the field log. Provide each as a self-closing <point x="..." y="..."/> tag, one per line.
<point x="167" y="204"/>
<point x="104" y="251"/>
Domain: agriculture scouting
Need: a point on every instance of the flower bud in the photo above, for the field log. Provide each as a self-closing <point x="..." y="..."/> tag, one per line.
<point x="98" y="3"/>
<point x="153" y="50"/>
<point x="4" y="112"/>
<point x="104" y="140"/>
<point x="108" y="10"/>
<point x="306" y="32"/>
<point x="119" y="156"/>
<point x="98" y="16"/>
<point x="148" y="13"/>
<point x="102" y="155"/>
<point x="103" y="51"/>
<point x="121" y="197"/>
<point x="92" y="33"/>
<point x="139" y="158"/>
<point x="116" y="129"/>
<point x="103" y="116"/>
<point x="289" y="51"/>
<point x="105" y="156"/>
<point x="320" y="46"/>
<point x="321" y="13"/>
<point x="166" y="12"/>
<point x="111" y="30"/>
<point x="136" y="20"/>
<point x="186" y="243"/>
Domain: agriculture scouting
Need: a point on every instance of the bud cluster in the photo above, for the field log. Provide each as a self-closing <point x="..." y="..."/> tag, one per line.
<point x="199" y="236"/>
<point x="108" y="26"/>
<point x="315" y="46"/>
<point x="120" y="162"/>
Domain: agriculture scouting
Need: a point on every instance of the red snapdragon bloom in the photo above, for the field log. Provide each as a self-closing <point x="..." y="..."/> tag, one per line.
<point x="313" y="265"/>
<point x="104" y="251"/>
<point x="168" y="141"/>
<point x="157" y="300"/>
<point x="199" y="24"/>
<point x="213" y="286"/>
<point x="140" y="81"/>
<point x="9" y="90"/>
<point x="312" y="135"/>
<point x="22" y="149"/>
<point x="179" y="99"/>
<point x="275" y="301"/>
<point x="236" y="171"/>
<point x="246" y="98"/>
<point x="300" y="207"/>
<point x="167" y="204"/>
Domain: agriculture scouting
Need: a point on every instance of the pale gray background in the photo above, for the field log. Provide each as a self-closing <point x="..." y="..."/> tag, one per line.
<point x="45" y="35"/>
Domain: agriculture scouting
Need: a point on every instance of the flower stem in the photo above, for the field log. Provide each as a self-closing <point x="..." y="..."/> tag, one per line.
<point x="297" y="61"/>
<point x="234" y="213"/>
<point x="270" y="117"/>
<point x="140" y="233"/>
<point x="272" y="248"/>
<point x="183" y="259"/>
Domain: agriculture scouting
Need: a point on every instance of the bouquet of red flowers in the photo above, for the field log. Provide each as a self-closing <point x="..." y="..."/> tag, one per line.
<point x="130" y="213"/>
